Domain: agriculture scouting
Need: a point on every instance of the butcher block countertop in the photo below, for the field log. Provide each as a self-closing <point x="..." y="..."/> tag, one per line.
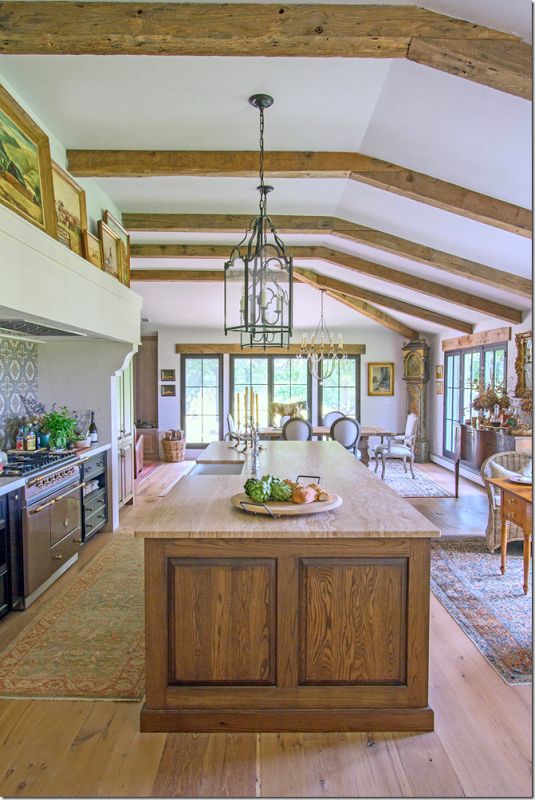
<point x="199" y="506"/>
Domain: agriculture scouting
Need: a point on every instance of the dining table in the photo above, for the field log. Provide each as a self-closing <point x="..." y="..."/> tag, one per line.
<point x="324" y="432"/>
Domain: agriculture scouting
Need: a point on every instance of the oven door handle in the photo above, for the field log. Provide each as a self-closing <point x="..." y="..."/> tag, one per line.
<point x="55" y="500"/>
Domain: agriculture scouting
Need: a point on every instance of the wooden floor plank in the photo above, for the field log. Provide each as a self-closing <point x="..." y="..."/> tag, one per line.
<point x="481" y="745"/>
<point x="207" y="765"/>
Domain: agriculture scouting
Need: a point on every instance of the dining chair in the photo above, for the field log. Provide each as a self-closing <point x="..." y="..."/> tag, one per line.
<point x="232" y="433"/>
<point x="346" y="431"/>
<point x="331" y="417"/>
<point x="400" y="446"/>
<point x="284" y="420"/>
<point x="296" y="429"/>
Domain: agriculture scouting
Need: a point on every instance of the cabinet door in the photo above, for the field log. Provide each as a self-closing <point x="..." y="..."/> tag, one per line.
<point x="128" y="401"/>
<point x="128" y="470"/>
<point x="120" y="406"/>
<point x="120" y="475"/>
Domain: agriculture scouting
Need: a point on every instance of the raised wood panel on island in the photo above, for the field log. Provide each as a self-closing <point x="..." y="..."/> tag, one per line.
<point x="309" y="623"/>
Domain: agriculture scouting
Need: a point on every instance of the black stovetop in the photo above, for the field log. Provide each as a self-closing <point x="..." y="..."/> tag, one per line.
<point x="24" y="463"/>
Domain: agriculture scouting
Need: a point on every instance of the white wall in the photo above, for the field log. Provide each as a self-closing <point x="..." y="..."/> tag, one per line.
<point x="381" y="345"/>
<point x="436" y="402"/>
<point x="97" y="200"/>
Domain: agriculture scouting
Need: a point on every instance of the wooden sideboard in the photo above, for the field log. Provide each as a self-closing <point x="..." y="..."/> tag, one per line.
<point x="474" y="445"/>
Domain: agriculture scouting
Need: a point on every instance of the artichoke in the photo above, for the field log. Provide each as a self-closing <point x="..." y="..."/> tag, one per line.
<point x="280" y="491"/>
<point x="260" y="492"/>
<point x="250" y="482"/>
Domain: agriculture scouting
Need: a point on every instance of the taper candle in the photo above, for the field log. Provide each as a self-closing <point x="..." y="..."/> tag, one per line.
<point x="257" y="417"/>
<point x="246" y="404"/>
<point x="238" y="409"/>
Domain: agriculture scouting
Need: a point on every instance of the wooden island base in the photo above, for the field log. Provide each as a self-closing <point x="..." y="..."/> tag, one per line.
<point x="309" y="623"/>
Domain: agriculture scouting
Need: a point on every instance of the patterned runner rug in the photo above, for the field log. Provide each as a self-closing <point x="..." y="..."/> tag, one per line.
<point x="407" y="486"/>
<point x="491" y="608"/>
<point x="88" y="642"/>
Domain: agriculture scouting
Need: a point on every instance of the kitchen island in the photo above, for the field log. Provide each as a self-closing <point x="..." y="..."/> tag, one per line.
<point x="312" y="623"/>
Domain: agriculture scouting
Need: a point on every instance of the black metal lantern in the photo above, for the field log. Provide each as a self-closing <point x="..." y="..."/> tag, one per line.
<point x="258" y="275"/>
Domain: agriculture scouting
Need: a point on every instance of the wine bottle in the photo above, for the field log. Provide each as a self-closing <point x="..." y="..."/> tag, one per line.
<point x="93" y="432"/>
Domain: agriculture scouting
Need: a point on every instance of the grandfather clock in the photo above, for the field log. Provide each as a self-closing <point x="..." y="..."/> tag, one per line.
<point x="416" y="375"/>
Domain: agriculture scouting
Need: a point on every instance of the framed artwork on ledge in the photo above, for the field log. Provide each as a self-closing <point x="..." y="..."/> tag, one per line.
<point x="25" y="166"/>
<point x="167" y="375"/>
<point x="92" y="249"/>
<point x="117" y="228"/>
<point x="168" y="391"/>
<point x="71" y="213"/>
<point x="110" y="247"/>
<point x="381" y="379"/>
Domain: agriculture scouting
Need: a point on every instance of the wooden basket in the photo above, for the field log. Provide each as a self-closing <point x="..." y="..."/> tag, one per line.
<point x="173" y="450"/>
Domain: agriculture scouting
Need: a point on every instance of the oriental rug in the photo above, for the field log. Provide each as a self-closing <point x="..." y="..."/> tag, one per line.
<point x="491" y="608"/>
<point x="407" y="486"/>
<point x="88" y="643"/>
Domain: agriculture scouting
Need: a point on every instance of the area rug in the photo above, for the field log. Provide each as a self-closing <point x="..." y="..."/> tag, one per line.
<point x="407" y="486"/>
<point x="491" y="608"/>
<point x="147" y="471"/>
<point x="89" y="642"/>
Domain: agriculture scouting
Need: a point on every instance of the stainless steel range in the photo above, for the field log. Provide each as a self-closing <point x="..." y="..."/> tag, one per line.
<point x="51" y="521"/>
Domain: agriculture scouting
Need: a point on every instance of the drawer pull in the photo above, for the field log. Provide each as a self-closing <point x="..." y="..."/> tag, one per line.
<point x="66" y="523"/>
<point x="78" y="541"/>
<point x="58" y="558"/>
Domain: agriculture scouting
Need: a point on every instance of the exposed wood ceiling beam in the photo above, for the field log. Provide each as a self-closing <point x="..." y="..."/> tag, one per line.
<point x="293" y="164"/>
<point x="194" y="349"/>
<point x="323" y="225"/>
<point x="321" y="281"/>
<point x="503" y="65"/>
<point x="376" y="314"/>
<point x="318" y="281"/>
<point x="364" y="267"/>
<point x="237" y="223"/>
<point x="318" y="31"/>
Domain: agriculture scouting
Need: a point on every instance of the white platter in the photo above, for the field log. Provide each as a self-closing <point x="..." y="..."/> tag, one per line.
<point x="277" y="509"/>
<point x="522" y="479"/>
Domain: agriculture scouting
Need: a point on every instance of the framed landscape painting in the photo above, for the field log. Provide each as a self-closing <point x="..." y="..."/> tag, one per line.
<point x="117" y="228"/>
<point x="71" y="213"/>
<point x="92" y="249"/>
<point x="381" y="379"/>
<point x="110" y="248"/>
<point x="25" y="166"/>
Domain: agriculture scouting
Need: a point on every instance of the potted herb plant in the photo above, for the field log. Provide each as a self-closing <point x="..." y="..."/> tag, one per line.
<point x="61" y="426"/>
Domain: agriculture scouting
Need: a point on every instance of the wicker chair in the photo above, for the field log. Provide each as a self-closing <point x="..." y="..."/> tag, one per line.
<point x="515" y="462"/>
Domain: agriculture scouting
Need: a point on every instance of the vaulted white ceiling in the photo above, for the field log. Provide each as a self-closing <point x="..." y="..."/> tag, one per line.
<point x="399" y="111"/>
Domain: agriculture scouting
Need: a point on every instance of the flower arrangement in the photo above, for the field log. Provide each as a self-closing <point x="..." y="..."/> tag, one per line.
<point x="490" y="396"/>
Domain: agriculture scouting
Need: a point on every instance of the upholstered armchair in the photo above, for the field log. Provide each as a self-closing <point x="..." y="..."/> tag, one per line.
<point x="514" y="462"/>
<point x="400" y="446"/>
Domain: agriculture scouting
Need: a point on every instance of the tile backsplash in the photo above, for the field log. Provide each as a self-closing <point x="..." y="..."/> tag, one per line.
<point x="18" y="375"/>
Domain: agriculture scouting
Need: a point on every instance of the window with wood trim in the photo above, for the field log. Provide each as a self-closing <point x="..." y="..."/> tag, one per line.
<point x="341" y="391"/>
<point x="275" y="378"/>
<point x="201" y="396"/>
<point x="463" y="370"/>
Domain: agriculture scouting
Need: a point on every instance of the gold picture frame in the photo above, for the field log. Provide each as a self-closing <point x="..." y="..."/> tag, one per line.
<point x="439" y="372"/>
<point x="71" y="210"/>
<point x="524" y="363"/>
<point x="117" y="228"/>
<point x="439" y="387"/>
<point x="167" y="375"/>
<point x="92" y="250"/>
<point x="381" y="379"/>
<point x="110" y="248"/>
<point x="25" y="166"/>
<point x="169" y="390"/>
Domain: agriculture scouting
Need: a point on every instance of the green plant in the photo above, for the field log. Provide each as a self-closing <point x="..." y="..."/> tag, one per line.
<point x="491" y="396"/>
<point x="60" y="425"/>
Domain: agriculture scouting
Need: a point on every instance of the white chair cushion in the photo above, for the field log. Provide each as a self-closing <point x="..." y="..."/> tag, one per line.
<point x="395" y="450"/>
<point x="497" y="471"/>
<point x="527" y="471"/>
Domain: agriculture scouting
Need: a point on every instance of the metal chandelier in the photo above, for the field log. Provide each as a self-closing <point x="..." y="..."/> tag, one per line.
<point x="258" y="275"/>
<point x="322" y="351"/>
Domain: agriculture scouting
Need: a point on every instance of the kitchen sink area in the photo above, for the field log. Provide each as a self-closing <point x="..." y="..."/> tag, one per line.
<point x="218" y="469"/>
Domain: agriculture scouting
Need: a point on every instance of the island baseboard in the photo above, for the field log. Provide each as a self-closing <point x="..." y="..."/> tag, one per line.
<point x="420" y="720"/>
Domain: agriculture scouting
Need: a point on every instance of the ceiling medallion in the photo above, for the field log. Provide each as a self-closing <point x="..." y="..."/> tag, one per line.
<point x="322" y="352"/>
<point x="258" y="275"/>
